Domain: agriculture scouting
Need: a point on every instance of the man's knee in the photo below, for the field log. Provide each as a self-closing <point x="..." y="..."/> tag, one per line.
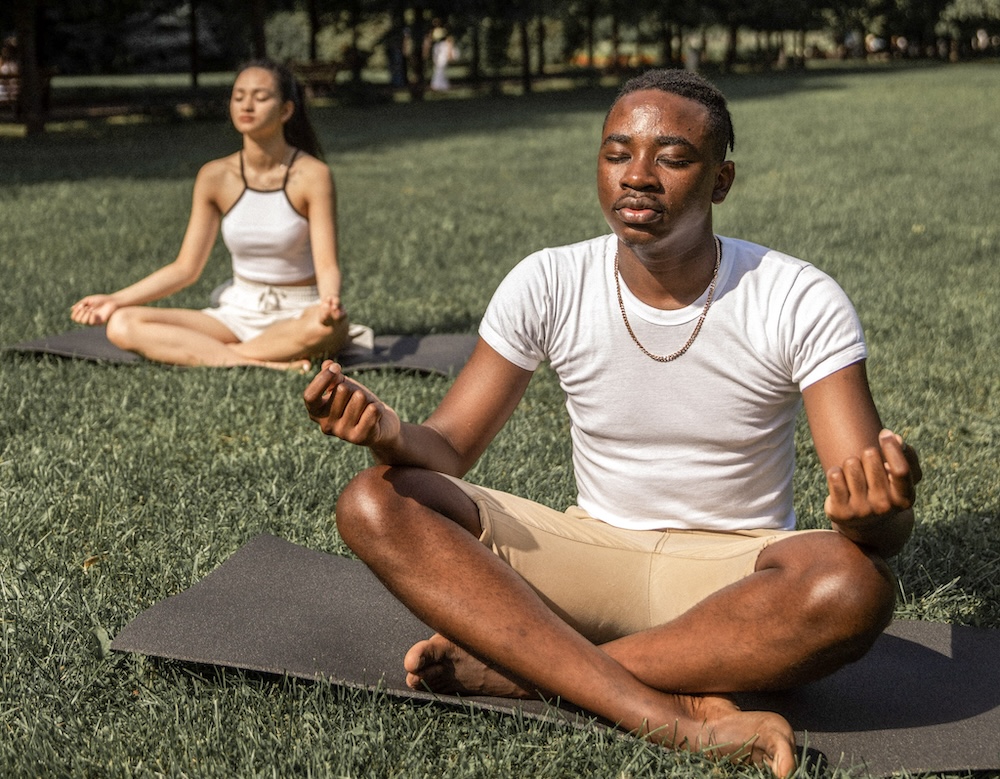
<point x="388" y="503"/>
<point x="365" y="507"/>
<point x="846" y="593"/>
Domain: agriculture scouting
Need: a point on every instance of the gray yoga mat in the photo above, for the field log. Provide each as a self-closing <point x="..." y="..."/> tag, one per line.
<point x="926" y="698"/>
<point x="441" y="353"/>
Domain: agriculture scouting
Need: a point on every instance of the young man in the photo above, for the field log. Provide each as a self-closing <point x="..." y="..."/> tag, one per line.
<point x="679" y="577"/>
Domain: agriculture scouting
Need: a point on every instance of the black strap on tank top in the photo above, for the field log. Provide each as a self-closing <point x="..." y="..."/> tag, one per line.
<point x="288" y="170"/>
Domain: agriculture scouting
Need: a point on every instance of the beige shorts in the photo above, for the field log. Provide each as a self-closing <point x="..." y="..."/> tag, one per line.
<point x="609" y="582"/>
<point x="248" y="308"/>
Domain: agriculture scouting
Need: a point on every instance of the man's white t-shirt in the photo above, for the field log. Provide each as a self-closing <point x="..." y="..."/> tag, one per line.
<point x="703" y="442"/>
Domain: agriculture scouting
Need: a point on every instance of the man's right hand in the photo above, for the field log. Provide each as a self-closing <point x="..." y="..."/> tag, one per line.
<point x="349" y="410"/>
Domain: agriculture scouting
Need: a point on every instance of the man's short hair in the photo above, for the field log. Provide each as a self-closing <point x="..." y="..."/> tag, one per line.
<point x="692" y="86"/>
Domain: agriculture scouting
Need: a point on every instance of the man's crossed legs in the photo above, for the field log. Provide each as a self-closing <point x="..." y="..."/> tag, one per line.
<point x="810" y="603"/>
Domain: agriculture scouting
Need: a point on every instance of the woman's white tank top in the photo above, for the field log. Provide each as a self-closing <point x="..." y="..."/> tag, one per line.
<point x="267" y="238"/>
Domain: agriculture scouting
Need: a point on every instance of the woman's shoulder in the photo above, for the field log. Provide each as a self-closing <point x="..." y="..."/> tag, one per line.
<point x="310" y="164"/>
<point x="310" y="172"/>
<point x="219" y="182"/>
<point x="220" y="171"/>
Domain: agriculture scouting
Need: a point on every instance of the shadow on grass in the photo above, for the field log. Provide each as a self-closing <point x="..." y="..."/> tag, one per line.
<point x="162" y="145"/>
<point x="950" y="666"/>
<point x="951" y="566"/>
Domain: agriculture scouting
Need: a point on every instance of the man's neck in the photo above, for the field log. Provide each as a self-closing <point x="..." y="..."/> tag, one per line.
<point x="668" y="280"/>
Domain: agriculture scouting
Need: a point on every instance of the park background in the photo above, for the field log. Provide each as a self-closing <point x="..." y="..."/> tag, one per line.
<point x="367" y="51"/>
<point x="122" y="485"/>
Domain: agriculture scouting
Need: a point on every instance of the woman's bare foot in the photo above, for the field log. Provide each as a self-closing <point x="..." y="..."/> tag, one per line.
<point x="441" y="666"/>
<point x="300" y="366"/>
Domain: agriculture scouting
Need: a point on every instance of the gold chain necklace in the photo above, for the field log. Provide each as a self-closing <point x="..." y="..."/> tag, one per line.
<point x="697" y="327"/>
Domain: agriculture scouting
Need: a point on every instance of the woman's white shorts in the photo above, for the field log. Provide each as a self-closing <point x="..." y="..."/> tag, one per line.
<point x="248" y="308"/>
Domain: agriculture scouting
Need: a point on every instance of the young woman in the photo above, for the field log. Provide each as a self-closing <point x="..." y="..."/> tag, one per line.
<point x="275" y="203"/>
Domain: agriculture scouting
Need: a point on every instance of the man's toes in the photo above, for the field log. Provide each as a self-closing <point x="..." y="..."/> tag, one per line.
<point x="415" y="657"/>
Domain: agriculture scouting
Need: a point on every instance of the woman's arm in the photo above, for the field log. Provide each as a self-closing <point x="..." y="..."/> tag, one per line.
<point x="315" y="187"/>
<point x="199" y="237"/>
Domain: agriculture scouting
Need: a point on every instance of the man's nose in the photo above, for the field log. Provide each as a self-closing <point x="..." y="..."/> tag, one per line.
<point x="640" y="173"/>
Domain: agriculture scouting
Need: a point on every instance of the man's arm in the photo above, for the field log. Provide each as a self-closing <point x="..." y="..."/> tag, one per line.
<point x="451" y="440"/>
<point x="870" y="472"/>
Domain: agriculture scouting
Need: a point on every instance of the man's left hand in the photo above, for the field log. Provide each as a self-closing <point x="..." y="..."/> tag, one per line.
<point x="881" y="482"/>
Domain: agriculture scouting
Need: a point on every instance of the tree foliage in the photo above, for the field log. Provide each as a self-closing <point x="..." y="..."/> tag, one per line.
<point x="94" y="35"/>
<point x="961" y="18"/>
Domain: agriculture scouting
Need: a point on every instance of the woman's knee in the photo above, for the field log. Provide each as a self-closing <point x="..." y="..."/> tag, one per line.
<point x="121" y="326"/>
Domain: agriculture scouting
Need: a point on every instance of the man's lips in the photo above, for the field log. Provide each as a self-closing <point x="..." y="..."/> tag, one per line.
<point x="637" y="210"/>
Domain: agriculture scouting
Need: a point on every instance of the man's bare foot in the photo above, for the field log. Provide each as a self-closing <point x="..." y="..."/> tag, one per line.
<point x="709" y="724"/>
<point x="718" y="728"/>
<point x="442" y="666"/>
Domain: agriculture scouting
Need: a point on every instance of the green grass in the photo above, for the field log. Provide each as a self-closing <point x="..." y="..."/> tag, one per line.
<point x="885" y="179"/>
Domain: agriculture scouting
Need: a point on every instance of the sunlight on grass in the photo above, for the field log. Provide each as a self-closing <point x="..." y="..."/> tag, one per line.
<point x="120" y="486"/>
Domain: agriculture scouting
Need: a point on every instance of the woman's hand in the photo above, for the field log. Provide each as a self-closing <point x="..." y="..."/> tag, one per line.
<point x="331" y="310"/>
<point x="93" y="310"/>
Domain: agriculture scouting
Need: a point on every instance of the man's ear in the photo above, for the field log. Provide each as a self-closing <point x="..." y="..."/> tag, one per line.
<point x="724" y="181"/>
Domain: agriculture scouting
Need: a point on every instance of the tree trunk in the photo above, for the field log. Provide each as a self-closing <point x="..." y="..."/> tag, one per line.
<point x="258" y="37"/>
<point x="419" y="82"/>
<point x="31" y="101"/>
<point x="615" y="44"/>
<point x="729" y="61"/>
<point x="476" y="57"/>
<point x="194" y="51"/>
<point x="525" y="36"/>
<point x="540" y="44"/>
<point x="312" y="8"/>
<point x="591" y="24"/>
<point x="357" y="62"/>
<point x="666" y="50"/>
